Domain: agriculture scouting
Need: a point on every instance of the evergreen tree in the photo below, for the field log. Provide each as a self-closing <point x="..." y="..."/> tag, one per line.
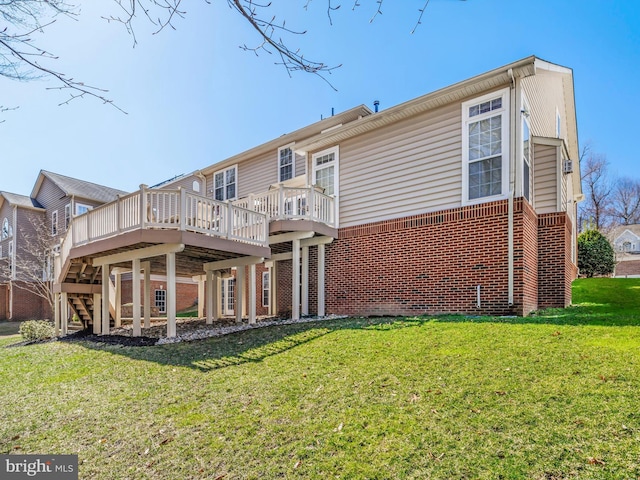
<point x="595" y="254"/>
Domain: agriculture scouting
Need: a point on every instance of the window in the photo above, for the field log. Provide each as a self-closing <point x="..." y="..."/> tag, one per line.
<point x="10" y="255"/>
<point x="161" y="301"/>
<point x="266" y="289"/>
<point x="325" y="170"/>
<point x="526" y="157"/>
<point x="485" y="147"/>
<point x="80" y="208"/>
<point x="54" y="222"/>
<point x="0" y="251"/>
<point x="286" y="164"/>
<point x="225" y="183"/>
<point x="558" y="124"/>
<point x="67" y="216"/>
<point x="6" y="229"/>
<point x="626" y="247"/>
<point x="196" y="186"/>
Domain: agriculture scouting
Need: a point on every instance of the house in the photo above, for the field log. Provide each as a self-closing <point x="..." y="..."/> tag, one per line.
<point x="625" y="240"/>
<point x="463" y="200"/>
<point x="32" y="227"/>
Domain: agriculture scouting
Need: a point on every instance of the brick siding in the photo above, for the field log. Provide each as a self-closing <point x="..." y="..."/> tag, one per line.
<point x="555" y="266"/>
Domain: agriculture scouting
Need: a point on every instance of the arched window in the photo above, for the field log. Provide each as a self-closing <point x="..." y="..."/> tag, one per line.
<point x="6" y="229"/>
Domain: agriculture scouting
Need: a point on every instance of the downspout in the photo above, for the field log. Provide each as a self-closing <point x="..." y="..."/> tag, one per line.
<point x="14" y="242"/>
<point x="512" y="185"/>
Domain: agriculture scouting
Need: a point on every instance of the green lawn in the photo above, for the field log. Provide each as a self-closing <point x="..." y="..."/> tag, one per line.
<point x="555" y="395"/>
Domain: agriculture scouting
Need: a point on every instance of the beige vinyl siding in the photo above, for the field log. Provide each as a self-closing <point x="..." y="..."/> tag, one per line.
<point x="545" y="168"/>
<point x="411" y="167"/>
<point x="544" y="93"/>
<point x="51" y="197"/>
<point x="185" y="183"/>
<point x="28" y="223"/>
<point x="564" y="188"/>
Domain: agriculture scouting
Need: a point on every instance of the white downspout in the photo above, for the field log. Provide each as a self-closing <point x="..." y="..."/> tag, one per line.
<point x="512" y="186"/>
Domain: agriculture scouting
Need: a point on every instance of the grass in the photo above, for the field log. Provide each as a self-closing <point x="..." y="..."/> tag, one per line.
<point x="550" y="396"/>
<point x="9" y="328"/>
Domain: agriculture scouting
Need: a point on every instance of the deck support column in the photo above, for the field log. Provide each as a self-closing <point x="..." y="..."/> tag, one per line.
<point x="146" y="267"/>
<point x="321" y="309"/>
<point x="210" y="290"/>
<point x="295" y="276"/>
<point x="135" y="287"/>
<point x="201" y="288"/>
<point x="305" y="281"/>
<point x="239" y="292"/>
<point x="64" y="312"/>
<point x="118" y="300"/>
<point x="252" y="294"/>
<point x="171" y="295"/>
<point x="106" y="270"/>
<point x="97" y="313"/>
<point x="56" y="313"/>
<point x="273" y="303"/>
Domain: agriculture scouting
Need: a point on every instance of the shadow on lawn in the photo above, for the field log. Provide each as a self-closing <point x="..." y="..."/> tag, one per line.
<point x="255" y="345"/>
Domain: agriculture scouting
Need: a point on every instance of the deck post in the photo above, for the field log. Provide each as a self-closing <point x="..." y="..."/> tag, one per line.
<point x="201" y="289"/>
<point x="145" y="210"/>
<point x="106" y="270"/>
<point x="118" y="300"/>
<point x="217" y="299"/>
<point x="135" y="291"/>
<point x="171" y="295"/>
<point x="320" y="288"/>
<point x="209" y="287"/>
<point x="56" y="313"/>
<point x="273" y="303"/>
<point x="295" y="275"/>
<point x="146" y="267"/>
<point x="305" y="280"/>
<point x="239" y="292"/>
<point x="64" y="310"/>
<point x="252" y="293"/>
<point x="97" y="313"/>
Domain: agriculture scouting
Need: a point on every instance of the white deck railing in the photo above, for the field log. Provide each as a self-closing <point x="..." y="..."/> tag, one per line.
<point x="169" y="210"/>
<point x="283" y="203"/>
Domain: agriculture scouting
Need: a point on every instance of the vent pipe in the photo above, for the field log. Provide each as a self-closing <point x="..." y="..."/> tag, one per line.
<point x="376" y="105"/>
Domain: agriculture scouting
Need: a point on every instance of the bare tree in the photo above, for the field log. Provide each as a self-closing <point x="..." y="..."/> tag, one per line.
<point x="625" y="201"/>
<point x="21" y="58"/>
<point x="32" y="269"/>
<point x="597" y="187"/>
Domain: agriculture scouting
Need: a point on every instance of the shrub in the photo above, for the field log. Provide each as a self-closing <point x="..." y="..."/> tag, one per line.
<point x="37" y="330"/>
<point x="595" y="254"/>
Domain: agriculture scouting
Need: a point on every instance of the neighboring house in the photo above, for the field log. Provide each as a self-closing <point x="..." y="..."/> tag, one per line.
<point x="46" y="215"/>
<point x="463" y="200"/>
<point x="625" y="240"/>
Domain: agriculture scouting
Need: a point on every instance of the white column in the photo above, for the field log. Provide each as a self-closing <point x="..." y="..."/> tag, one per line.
<point x="239" y="293"/>
<point x="200" y="297"/>
<point x="106" y="270"/>
<point x="321" y="310"/>
<point x="273" y="303"/>
<point x="97" y="313"/>
<point x="215" y="307"/>
<point x="305" y="280"/>
<point x="295" y="276"/>
<point x="252" y="293"/>
<point x="209" y="292"/>
<point x="147" y="293"/>
<point x="171" y="295"/>
<point x="135" y="294"/>
<point x="56" y="313"/>
<point x="64" y="310"/>
<point x="118" y="301"/>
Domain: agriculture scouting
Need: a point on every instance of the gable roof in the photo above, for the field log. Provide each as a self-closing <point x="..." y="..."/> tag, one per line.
<point x="620" y="230"/>
<point x="20" y="201"/>
<point x="74" y="187"/>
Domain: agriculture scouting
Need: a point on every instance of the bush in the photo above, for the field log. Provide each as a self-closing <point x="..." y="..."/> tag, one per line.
<point x="37" y="330"/>
<point x="595" y="254"/>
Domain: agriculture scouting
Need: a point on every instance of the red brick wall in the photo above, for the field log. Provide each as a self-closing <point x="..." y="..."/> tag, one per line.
<point x="430" y="263"/>
<point x="555" y="266"/>
<point x="27" y="305"/>
<point x="3" y="302"/>
<point x="186" y="293"/>
<point x="526" y="246"/>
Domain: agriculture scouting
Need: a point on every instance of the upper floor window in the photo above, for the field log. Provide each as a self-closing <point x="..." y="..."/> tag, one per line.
<point x="526" y="156"/>
<point x="54" y="222"/>
<point x="286" y="164"/>
<point x="67" y="216"/>
<point x="225" y="184"/>
<point x="558" y="124"/>
<point x="6" y="229"/>
<point x="81" y="208"/>
<point x="485" y="146"/>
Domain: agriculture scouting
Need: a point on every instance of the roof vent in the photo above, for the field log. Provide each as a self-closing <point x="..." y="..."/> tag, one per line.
<point x="567" y="166"/>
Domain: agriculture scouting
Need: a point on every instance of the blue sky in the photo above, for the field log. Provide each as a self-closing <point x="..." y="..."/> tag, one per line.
<point x="193" y="97"/>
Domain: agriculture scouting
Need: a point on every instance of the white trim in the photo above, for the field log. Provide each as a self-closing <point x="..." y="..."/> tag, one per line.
<point x="293" y="162"/>
<point x="224" y="172"/>
<point x="155" y="300"/>
<point x="67" y="216"/>
<point x="525" y="115"/>
<point x="54" y="223"/>
<point x="558" y="124"/>
<point x="466" y="120"/>
<point x="266" y="290"/>
<point x="336" y="175"/>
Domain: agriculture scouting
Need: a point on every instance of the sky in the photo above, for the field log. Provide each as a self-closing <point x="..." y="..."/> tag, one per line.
<point x="194" y="98"/>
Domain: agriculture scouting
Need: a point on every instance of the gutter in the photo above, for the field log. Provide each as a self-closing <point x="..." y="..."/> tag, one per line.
<point x="512" y="186"/>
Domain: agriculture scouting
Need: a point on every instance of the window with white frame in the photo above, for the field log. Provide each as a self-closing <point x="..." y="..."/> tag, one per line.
<point x="67" y="216"/>
<point x="1" y="251"/>
<point x="10" y="255"/>
<point x="161" y="301"/>
<point x="485" y="147"/>
<point x="54" y="222"/>
<point x="6" y="229"/>
<point x="266" y="289"/>
<point x="526" y="153"/>
<point x="286" y="164"/>
<point x="225" y="184"/>
<point x="81" y="208"/>
<point x="325" y="170"/>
